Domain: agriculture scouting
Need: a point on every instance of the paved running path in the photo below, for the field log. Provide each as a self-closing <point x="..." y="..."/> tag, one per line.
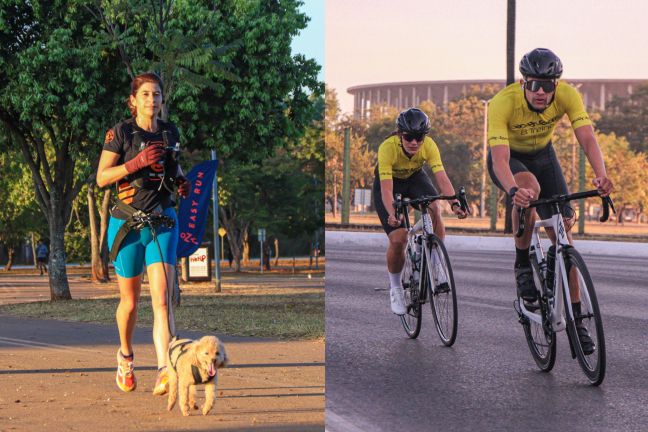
<point x="57" y="375"/>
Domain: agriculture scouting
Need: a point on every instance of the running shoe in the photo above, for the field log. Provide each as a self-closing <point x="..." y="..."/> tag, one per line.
<point x="161" y="382"/>
<point x="125" y="373"/>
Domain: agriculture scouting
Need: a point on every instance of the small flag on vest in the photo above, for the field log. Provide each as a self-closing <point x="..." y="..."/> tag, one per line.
<point x="192" y="214"/>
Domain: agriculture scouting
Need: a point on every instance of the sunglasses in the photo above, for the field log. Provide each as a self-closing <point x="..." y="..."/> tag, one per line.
<point x="413" y="137"/>
<point x="535" y="85"/>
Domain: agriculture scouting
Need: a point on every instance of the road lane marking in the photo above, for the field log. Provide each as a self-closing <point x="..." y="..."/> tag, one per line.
<point x="336" y="423"/>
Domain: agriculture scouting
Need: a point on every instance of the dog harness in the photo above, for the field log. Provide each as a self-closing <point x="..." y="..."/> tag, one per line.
<point x="194" y="369"/>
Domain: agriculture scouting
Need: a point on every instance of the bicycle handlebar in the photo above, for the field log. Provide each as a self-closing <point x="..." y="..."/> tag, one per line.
<point x="606" y="201"/>
<point x="401" y="203"/>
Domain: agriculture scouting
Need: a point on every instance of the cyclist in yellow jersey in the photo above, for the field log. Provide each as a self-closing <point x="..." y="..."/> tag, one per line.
<point x="522" y="161"/>
<point x="399" y="171"/>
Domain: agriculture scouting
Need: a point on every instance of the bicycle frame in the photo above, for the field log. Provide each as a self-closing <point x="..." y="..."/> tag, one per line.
<point x="558" y="317"/>
<point x="423" y="228"/>
<point x="561" y="284"/>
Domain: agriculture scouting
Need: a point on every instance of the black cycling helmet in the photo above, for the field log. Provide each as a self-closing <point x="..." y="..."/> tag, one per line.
<point x="413" y="121"/>
<point x="541" y="63"/>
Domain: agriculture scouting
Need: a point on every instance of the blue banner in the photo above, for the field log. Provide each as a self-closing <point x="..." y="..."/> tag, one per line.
<point x="193" y="212"/>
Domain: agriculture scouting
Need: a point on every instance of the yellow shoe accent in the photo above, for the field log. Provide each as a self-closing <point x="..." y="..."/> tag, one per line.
<point x="161" y="383"/>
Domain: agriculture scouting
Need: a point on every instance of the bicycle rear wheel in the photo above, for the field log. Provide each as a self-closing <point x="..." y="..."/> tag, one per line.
<point x="443" y="302"/>
<point x="593" y="364"/>
<point x="541" y="340"/>
<point x="412" y="319"/>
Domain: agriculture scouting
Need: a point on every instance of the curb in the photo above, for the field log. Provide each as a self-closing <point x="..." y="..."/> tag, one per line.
<point x="495" y="244"/>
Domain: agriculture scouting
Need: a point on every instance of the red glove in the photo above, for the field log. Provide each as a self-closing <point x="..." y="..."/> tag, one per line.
<point x="147" y="157"/>
<point x="184" y="186"/>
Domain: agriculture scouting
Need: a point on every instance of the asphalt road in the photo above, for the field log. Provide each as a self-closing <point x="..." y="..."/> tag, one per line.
<point x="379" y="380"/>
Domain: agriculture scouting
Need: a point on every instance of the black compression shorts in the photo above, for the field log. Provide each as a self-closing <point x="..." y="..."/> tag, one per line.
<point x="545" y="167"/>
<point x="417" y="185"/>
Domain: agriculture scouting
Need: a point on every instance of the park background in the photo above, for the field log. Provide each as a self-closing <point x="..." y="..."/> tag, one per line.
<point x="234" y="83"/>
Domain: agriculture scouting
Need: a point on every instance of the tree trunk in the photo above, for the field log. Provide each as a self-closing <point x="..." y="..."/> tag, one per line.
<point x="33" y="248"/>
<point x="246" y="247"/>
<point x="59" y="287"/>
<point x="103" y="237"/>
<point x="97" y="274"/>
<point x="237" y="234"/>
<point x="276" y="248"/>
<point x="10" y="258"/>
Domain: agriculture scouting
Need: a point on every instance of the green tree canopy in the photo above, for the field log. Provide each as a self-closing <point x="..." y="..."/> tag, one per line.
<point x="628" y="117"/>
<point x="57" y="91"/>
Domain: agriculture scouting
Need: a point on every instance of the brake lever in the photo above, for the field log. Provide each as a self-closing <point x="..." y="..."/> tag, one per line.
<point x="463" y="202"/>
<point x="607" y="204"/>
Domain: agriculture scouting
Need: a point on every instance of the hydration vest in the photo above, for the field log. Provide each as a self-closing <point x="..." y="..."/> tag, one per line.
<point x="157" y="176"/>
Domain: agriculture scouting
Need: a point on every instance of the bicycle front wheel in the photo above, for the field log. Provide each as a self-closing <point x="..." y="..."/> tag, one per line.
<point x="440" y="286"/>
<point x="591" y="359"/>
<point x="541" y="340"/>
<point x="412" y="319"/>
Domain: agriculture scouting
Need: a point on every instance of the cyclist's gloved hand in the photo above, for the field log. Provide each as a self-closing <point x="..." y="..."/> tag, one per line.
<point x="147" y="157"/>
<point x="604" y="185"/>
<point x="523" y="197"/>
<point x="184" y="186"/>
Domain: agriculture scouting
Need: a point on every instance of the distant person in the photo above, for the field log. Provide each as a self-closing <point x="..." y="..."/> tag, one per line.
<point x="522" y="161"/>
<point x="400" y="171"/>
<point x="139" y="154"/>
<point x="230" y="256"/>
<point x="41" y="256"/>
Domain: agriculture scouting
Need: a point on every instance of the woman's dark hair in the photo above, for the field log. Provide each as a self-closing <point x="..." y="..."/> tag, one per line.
<point x="147" y="77"/>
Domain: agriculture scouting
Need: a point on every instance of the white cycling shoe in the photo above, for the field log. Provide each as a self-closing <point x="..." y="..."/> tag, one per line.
<point x="397" y="297"/>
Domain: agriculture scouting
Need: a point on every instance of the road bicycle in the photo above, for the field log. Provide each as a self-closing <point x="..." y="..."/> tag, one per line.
<point x="427" y="274"/>
<point x="556" y="274"/>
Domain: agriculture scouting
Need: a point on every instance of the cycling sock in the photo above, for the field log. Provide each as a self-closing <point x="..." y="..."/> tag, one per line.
<point x="127" y="357"/>
<point x="522" y="258"/>
<point x="394" y="279"/>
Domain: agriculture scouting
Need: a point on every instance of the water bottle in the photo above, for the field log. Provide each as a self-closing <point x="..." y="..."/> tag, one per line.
<point x="551" y="260"/>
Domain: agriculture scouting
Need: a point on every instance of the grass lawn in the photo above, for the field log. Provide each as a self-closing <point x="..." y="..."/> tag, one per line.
<point x="282" y="316"/>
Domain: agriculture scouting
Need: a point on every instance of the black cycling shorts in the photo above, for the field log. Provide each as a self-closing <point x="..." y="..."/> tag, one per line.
<point x="417" y="185"/>
<point x="544" y="165"/>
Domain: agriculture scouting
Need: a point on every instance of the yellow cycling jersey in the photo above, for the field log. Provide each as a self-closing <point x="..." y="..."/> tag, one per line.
<point x="512" y="123"/>
<point x="393" y="162"/>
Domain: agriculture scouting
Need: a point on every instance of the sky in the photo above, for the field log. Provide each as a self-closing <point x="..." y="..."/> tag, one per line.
<point x="310" y="41"/>
<point x="379" y="41"/>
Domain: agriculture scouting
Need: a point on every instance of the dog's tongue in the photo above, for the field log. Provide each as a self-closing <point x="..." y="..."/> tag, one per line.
<point x="212" y="370"/>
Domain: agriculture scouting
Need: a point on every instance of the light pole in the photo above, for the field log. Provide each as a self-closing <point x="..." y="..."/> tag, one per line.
<point x="482" y="195"/>
<point x="217" y="269"/>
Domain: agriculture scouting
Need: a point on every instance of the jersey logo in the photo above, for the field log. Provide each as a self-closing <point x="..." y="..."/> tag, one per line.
<point x="110" y="135"/>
